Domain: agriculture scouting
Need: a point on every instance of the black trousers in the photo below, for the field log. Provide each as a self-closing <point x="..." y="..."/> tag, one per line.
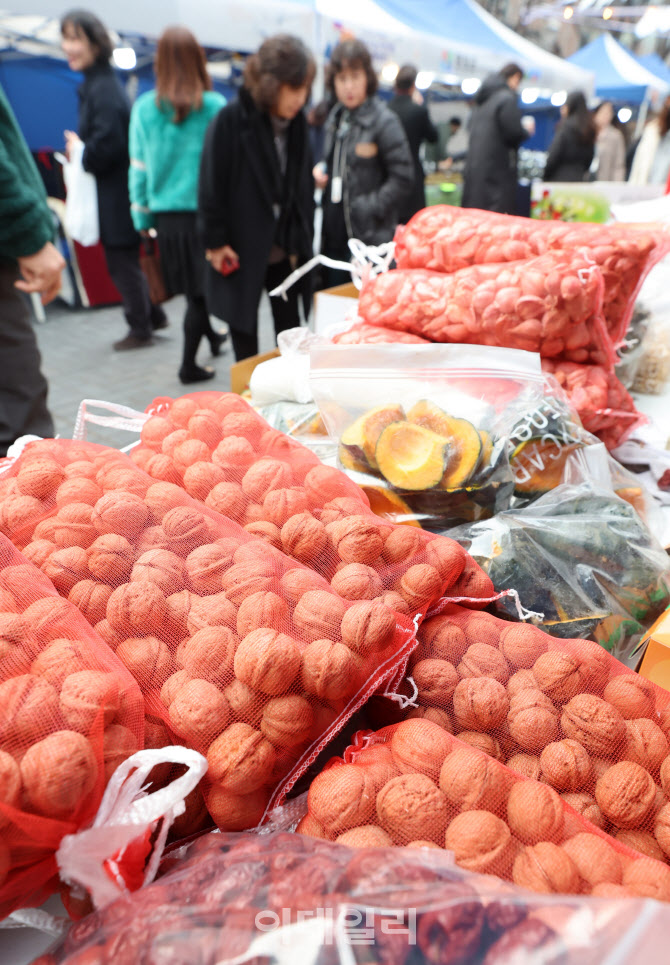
<point x="123" y="265"/>
<point x="23" y="388"/>
<point x="285" y="314"/>
<point x="197" y="325"/>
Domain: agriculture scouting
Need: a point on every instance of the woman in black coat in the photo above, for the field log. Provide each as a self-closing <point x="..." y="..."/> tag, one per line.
<point x="368" y="174"/>
<point x="256" y="195"/>
<point x="104" y="114"/>
<point x="572" y="149"/>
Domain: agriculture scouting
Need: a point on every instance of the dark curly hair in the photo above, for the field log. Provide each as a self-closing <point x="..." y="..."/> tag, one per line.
<point x="280" y="60"/>
<point x="84" y="23"/>
<point x="351" y="53"/>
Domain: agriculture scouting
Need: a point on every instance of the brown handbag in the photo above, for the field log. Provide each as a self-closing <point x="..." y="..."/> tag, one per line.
<point x="151" y="266"/>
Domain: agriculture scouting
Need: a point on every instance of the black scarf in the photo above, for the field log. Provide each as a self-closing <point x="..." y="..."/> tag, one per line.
<point x="290" y="230"/>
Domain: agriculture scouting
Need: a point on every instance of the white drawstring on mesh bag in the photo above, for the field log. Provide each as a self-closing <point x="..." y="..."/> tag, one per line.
<point x="366" y="260"/>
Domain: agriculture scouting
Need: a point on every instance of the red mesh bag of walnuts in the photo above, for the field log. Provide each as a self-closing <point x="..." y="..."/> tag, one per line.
<point x="285" y="897"/>
<point x="551" y="304"/>
<point x="224" y="454"/>
<point x="604" y="405"/>
<point x="241" y="651"/>
<point x="70" y="713"/>
<point x="444" y="238"/>
<point x="561" y="711"/>
<point x="415" y="785"/>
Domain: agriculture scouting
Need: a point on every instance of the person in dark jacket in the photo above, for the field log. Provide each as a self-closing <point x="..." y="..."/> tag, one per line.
<point x="255" y="194"/>
<point x="104" y="114"/>
<point x="30" y="263"/>
<point x="418" y="128"/>
<point x="496" y="133"/>
<point x="572" y="149"/>
<point x="368" y="172"/>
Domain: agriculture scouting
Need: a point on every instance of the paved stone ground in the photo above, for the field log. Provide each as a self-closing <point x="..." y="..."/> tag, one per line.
<point x="79" y="362"/>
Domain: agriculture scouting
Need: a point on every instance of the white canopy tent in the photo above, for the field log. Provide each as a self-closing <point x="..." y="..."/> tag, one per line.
<point x="392" y="37"/>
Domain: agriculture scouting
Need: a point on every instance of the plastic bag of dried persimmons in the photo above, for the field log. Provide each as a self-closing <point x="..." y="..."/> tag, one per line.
<point x="70" y="713"/>
<point x="416" y="785"/>
<point x="222" y="453"/>
<point x="231" y="897"/>
<point x="241" y="652"/>
<point x="561" y="711"/>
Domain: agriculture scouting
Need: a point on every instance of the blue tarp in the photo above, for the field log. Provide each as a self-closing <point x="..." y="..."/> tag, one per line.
<point x="43" y="94"/>
<point x="619" y="75"/>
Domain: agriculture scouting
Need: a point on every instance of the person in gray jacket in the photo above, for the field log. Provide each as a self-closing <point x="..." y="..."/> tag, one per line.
<point x="368" y="171"/>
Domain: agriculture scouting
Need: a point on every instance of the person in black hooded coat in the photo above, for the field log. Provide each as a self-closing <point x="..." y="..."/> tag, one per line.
<point x="496" y="133"/>
<point x="256" y="194"/>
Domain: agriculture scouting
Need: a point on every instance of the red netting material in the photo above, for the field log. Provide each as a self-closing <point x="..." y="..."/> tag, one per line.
<point x="272" y="485"/>
<point x="414" y="785"/>
<point x="444" y="238"/>
<point x="70" y="713"/>
<point x="241" y="652"/>
<point x="563" y="712"/>
<point x="551" y="305"/>
<point x="604" y="405"/>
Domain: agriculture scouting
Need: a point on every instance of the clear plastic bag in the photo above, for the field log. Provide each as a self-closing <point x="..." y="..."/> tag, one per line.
<point x="283" y="898"/>
<point x="541" y="441"/>
<point x="441" y="456"/>
<point x="581" y="555"/>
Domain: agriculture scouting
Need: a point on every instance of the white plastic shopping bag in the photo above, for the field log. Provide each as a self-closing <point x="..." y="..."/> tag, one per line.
<point x="81" y="203"/>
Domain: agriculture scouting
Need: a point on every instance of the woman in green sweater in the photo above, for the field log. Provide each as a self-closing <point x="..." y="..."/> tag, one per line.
<point x="167" y="130"/>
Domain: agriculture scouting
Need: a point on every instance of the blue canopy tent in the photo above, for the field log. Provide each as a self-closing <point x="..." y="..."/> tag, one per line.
<point x="620" y="77"/>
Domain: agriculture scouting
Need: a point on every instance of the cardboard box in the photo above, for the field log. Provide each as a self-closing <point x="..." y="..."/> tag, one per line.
<point x="240" y="372"/>
<point x="332" y="304"/>
<point x="655" y="664"/>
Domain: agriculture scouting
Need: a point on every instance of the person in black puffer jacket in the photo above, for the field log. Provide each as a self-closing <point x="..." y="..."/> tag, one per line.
<point x="368" y="171"/>
<point x="572" y="149"/>
<point x="496" y="133"/>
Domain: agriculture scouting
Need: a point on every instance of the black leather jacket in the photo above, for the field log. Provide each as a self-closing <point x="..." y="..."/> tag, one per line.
<point x="368" y="149"/>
